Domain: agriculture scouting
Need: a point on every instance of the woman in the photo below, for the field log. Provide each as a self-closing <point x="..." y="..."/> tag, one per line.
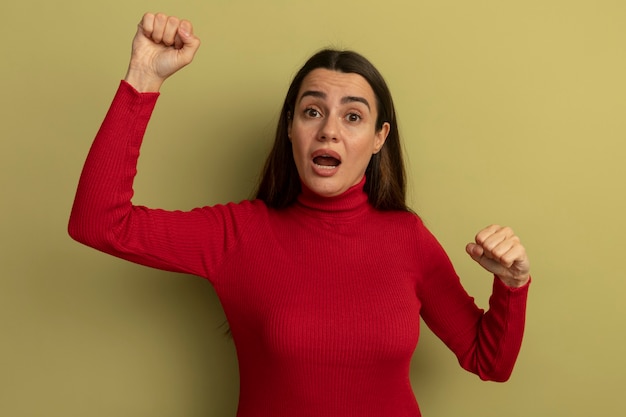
<point x="323" y="277"/>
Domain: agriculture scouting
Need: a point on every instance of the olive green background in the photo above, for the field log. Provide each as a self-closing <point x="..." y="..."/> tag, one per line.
<point x="511" y="112"/>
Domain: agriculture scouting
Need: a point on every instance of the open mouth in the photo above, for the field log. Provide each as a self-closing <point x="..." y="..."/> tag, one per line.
<point x="326" y="161"/>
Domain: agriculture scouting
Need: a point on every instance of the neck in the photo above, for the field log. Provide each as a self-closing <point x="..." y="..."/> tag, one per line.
<point x="351" y="202"/>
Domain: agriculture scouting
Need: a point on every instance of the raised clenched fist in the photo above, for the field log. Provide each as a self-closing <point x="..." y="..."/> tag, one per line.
<point x="162" y="45"/>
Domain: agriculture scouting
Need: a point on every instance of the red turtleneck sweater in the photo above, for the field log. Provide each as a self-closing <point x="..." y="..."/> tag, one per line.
<point x="323" y="298"/>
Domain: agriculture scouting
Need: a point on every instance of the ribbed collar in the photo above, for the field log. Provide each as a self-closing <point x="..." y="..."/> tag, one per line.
<point x="346" y="205"/>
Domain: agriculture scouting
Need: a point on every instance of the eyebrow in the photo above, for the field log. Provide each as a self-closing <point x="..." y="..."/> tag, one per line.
<point x="347" y="99"/>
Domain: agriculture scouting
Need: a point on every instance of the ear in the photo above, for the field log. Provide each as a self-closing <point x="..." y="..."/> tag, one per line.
<point x="381" y="137"/>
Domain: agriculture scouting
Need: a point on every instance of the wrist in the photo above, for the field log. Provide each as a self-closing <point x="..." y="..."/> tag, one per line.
<point x="515" y="282"/>
<point x="142" y="82"/>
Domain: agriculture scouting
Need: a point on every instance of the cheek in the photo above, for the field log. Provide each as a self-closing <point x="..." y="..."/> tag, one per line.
<point x="298" y="137"/>
<point x="367" y="147"/>
<point x="298" y="150"/>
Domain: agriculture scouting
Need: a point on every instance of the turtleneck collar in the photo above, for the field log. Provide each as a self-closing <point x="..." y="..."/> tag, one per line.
<point x="348" y="204"/>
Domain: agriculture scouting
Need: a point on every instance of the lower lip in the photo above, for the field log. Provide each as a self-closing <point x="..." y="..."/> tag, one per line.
<point x="324" y="171"/>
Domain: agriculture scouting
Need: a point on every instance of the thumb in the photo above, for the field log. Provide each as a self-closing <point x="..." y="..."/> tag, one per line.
<point x="185" y="40"/>
<point x="474" y="251"/>
<point x="478" y="254"/>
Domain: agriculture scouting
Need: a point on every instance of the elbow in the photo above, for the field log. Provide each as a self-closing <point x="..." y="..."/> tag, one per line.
<point x="77" y="231"/>
<point x="488" y="369"/>
<point x="496" y="375"/>
<point x="94" y="232"/>
<point x="84" y="230"/>
<point x="74" y="232"/>
<point x="77" y="224"/>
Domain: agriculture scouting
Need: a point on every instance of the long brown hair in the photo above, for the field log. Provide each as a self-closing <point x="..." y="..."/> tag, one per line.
<point x="385" y="176"/>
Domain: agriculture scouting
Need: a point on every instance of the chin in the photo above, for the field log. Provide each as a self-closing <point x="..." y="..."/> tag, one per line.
<point x="331" y="191"/>
<point x="324" y="189"/>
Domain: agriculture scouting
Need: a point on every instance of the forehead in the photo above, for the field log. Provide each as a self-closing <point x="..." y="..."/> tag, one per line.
<point x="335" y="83"/>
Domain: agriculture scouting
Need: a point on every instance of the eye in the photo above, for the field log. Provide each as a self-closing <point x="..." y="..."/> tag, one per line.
<point x="353" y="117"/>
<point x="312" y="113"/>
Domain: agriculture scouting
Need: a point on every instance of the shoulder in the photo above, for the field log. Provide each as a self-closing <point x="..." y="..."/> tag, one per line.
<point x="409" y="228"/>
<point x="242" y="211"/>
<point x="400" y="221"/>
<point x="404" y="228"/>
<point x="234" y="216"/>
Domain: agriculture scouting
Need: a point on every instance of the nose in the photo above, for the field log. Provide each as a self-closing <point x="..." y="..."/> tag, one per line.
<point x="329" y="129"/>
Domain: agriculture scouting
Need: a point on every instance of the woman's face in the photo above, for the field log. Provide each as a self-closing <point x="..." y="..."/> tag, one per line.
<point x="333" y="130"/>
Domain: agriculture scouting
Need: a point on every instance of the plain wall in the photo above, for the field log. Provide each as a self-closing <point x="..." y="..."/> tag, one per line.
<point x="511" y="113"/>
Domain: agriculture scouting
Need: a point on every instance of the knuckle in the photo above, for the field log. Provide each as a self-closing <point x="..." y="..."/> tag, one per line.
<point x="161" y="17"/>
<point x="497" y="253"/>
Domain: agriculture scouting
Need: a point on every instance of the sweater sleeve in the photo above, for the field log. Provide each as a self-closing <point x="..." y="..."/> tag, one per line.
<point x="485" y="343"/>
<point x="103" y="216"/>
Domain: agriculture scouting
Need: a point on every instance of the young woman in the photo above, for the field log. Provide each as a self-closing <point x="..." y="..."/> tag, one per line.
<point x="324" y="275"/>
